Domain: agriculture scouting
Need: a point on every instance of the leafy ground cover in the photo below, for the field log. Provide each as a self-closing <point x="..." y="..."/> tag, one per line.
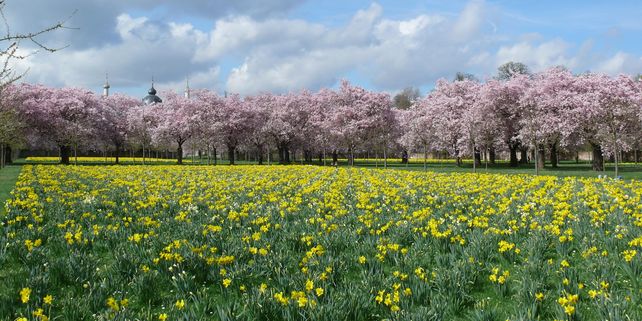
<point x="566" y="168"/>
<point x="317" y="243"/>
<point x="8" y="178"/>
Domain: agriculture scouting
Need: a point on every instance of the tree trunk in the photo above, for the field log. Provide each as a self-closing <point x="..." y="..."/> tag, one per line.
<point x="230" y="153"/>
<point x="7" y="155"/>
<point x="554" y="160"/>
<point x="307" y="154"/>
<point x="335" y="158"/>
<point x="64" y="154"/>
<point x="540" y="157"/>
<point x="477" y="158"/>
<point x="351" y="157"/>
<point x="286" y="153"/>
<point x="598" y="158"/>
<point x="491" y="155"/>
<point x="260" y="156"/>
<point x="404" y="157"/>
<point x="425" y="158"/>
<point x="321" y="158"/>
<point x="523" y="159"/>
<point x="617" y="171"/>
<point x="179" y="154"/>
<point x="513" y="155"/>
<point x="536" y="162"/>
<point x="486" y="155"/>
<point x="117" y="153"/>
<point x="2" y="156"/>
<point x="280" y="152"/>
<point x="385" y="156"/>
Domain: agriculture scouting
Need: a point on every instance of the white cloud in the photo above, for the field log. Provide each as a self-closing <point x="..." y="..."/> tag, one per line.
<point x="239" y="34"/>
<point x="621" y="62"/>
<point x="309" y="70"/>
<point x="389" y="53"/>
<point x="538" y="56"/>
<point x="470" y="20"/>
<point x="145" y="49"/>
<point x="279" y="54"/>
<point x="202" y="79"/>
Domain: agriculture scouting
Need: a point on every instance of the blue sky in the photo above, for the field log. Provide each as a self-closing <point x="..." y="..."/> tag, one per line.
<point x="287" y="45"/>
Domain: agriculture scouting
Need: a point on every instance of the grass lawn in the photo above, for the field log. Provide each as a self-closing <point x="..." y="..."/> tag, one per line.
<point x="8" y="177"/>
<point x="565" y="168"/>
<point x="318" y="243"/>
<point x="568" y="168"/>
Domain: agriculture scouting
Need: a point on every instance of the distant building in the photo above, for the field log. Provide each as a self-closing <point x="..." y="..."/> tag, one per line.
<point x="151" y="98"/>
<point x="106" y="86"/>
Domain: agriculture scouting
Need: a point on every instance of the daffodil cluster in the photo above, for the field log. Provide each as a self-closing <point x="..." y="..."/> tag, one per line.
<point x="300" y="242"/>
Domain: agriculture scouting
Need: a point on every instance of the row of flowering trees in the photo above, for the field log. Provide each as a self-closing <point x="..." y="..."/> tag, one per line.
<point x="551" y="110"/>
<point x="547" y="112"/>
<point x="71" y="119"/>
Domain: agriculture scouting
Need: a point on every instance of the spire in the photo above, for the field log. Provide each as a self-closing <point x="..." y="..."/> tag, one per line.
<point x="187" y="90"/>
<point x="106" y="86"/>
<point x="152" y="91"/>
<point x="152" y="98"/>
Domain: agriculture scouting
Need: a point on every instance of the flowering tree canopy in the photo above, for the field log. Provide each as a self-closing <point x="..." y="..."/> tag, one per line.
<point x="553" y="110"/>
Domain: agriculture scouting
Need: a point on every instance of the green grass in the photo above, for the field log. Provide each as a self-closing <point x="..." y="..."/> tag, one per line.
<point x="8" y="177"/>
<point x="566" y="168"/>
<point x="89" y="251"/>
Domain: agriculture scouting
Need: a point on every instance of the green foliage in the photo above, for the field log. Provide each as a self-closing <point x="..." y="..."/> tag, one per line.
<point x="312" y="243"/>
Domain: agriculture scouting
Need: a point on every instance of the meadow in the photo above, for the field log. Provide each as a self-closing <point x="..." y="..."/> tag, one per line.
<point x="566" y="168"/>
<point x="196" y="242"/>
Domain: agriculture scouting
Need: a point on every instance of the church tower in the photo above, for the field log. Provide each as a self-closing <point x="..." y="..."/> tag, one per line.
<point x="187" y="90"/>
<point x="151" y="98"/>
<point x="106" y="86"/>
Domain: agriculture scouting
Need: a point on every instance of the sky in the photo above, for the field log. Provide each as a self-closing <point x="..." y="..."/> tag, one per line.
<point x="278" y="46"/>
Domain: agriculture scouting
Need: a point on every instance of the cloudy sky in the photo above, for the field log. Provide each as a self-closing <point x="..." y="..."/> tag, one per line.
<point x="246" y="47"/>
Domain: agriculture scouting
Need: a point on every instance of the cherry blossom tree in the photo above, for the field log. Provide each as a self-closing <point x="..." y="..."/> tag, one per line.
<point x="552" y="109"/>
<point x="547" y="102"/>
<point x="140" y="122"/>
<point x="320" y="123"/>
<point x="471" y="122"/>
<point x="259" y="134"/>
<point x="502" y="98"/>
<point x="12" y="127"/>
<point x="488" y="130"/>
<point x="289" y="117"/>
<point x="358" y="116"/>
<point x="606" y="117"/>
<point x="233" y="122"/>
<point x="447" y="104"/>
<point x="419" y="133"/>
<point x="60" y="116"/>
<point x="379" y="122"/>
<point x="111" y="120"/>
<point x="173" y="121"/>
<point x="205" y="121"/>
